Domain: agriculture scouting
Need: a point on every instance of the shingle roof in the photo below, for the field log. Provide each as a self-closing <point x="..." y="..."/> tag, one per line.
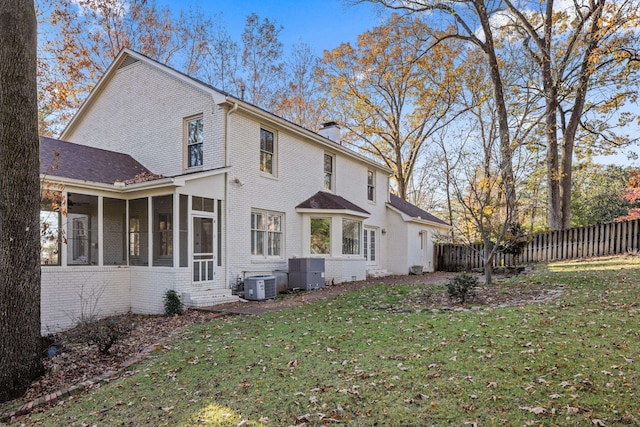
<point x="412" y="210"/>
<point x="329" y="201"/>
<point x="68" y="160"/>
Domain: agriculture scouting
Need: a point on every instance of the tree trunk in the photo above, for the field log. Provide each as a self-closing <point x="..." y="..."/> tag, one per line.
<point x="488" y="261"/>
<point x="506" y="150"/>
<point x="20" y="349"/>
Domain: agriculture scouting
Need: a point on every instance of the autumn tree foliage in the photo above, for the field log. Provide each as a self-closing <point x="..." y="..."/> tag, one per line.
<point x="262" y="64"/>
<point x="86" y="35"/>
<point x="390" y="95"/>
<point x="303" y="97"/>
<point x="20" y="352"/>
<point x="632" y="195"/>
<point x="581" y="58"/>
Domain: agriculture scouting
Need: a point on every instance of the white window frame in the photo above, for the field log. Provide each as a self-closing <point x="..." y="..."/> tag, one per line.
<point x="358" y="242"/>
<point x="371" y="185"/>
<point x="268" y="233"/>
<point x="189" y="143"/>
<point x="329" y="176"/>
<point x="273" y="153"/>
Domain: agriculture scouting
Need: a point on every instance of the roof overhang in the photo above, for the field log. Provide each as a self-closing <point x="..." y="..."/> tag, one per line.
<point x="407" y="218"/>
<point x="320" y="212"/>
<point x="121" y="187"/>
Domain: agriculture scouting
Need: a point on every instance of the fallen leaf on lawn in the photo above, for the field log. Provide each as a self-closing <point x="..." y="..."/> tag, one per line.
<point x="263" y="420"/>
<point x="628" y="419"/>
<point x="492" y="384"/>
<point x="305" y="417"/>
<point x="626" y="359"/>
<point x="330" y="350"/>
<point x="536" y="410"/>
<point x="167" y="408"/>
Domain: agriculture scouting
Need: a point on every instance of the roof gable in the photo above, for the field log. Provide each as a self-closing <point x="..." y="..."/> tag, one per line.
<point x="328" y="201"/>
<point x="412" y="210"/>
<point x="74" y="161"/>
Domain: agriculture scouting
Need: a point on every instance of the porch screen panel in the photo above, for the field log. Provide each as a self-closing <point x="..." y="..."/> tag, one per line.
<point x="115" y="231"/>
<point x="163" y="231"/>
<point x="51" y="233"/>
<point x="184" y="230"/>
<point x="82" y="229"/>
<point x="139" y="232"/>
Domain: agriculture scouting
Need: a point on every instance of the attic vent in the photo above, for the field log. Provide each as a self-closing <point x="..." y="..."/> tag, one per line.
<point x="127" y="61"/>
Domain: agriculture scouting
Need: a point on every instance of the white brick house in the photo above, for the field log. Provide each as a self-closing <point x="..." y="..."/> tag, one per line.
<point x="236" y="192"/>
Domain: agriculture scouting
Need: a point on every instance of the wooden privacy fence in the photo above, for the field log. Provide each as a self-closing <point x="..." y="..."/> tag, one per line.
<point x="598" y="240"/>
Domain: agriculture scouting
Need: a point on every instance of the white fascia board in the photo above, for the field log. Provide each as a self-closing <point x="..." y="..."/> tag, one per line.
<point x="408" y="218"/>
<point x="118" y="187"/>
<point x="198" y="175"/>
<point x="305" y="133"/>
<point x="332" y="212"/>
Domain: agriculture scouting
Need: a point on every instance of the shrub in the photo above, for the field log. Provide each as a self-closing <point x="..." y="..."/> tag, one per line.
<point x="103" y="333"/>
<point x="461" y="285"/>
<point x="172" y="303"/>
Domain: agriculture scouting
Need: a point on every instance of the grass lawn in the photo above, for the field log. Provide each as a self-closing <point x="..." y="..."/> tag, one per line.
<point x="361" y="359"/>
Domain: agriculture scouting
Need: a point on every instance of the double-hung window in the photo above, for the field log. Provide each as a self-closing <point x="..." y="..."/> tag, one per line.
<point x="267" y="233"/>
<point x="371" y="188"/>
<point x="194" y="142"/>
<point x="328" y="171"/>
<point x="267" y="151"/>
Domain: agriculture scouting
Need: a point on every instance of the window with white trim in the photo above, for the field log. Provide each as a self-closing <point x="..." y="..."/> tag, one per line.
<point x="194" y="132"/>
<point x="328" y="172"/>
<point x="267" y="233"/>
<point x="371" y="188"/>
<point x="320" y="236"/>
<point x="351" y="236"/>
<point x="267" y="151"/>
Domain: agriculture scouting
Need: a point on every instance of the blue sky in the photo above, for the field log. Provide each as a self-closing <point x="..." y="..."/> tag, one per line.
<point x="322" y="24"/>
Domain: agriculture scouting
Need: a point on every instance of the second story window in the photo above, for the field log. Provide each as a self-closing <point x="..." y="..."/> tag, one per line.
<point x="371" y="188"/>
<point x="328" y="171"/>
<point x="194" y="142"/>
<point x="267" y="151"/>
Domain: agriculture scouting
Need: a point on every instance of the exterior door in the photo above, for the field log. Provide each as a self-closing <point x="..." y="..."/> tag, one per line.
<point x="427" y="251"/>
<point x="203" y="249"/>
<point x="370" y="246"/>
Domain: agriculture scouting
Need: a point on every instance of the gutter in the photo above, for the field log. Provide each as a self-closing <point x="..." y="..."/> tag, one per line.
<point x="227" y="161"/>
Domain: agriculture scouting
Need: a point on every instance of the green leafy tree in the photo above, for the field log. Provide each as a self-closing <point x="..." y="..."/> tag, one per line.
<point x="598" y="194"/>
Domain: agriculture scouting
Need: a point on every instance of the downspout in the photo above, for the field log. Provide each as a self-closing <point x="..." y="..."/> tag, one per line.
<point x="227" y="159"/>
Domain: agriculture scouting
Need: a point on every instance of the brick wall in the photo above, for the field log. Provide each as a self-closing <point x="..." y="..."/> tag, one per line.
<point x="141" y="112"/>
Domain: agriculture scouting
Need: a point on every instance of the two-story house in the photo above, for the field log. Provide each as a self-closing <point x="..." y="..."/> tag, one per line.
<point x="172" y="184"/>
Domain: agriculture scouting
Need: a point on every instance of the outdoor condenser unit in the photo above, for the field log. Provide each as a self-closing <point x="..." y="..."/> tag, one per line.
<point x="258" y="288"/>
<point x="306" y="273"/>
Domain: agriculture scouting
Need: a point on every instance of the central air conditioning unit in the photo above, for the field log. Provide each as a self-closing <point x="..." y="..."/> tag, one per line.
<point x="259" y="288"/>
<point x="306" y="273"/>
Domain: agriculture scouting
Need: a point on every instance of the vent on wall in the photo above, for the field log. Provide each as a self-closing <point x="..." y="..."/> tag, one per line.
<point x="127" y="61"/>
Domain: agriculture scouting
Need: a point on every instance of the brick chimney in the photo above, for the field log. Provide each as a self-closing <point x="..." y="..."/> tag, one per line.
<point x="330" y="130"/>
